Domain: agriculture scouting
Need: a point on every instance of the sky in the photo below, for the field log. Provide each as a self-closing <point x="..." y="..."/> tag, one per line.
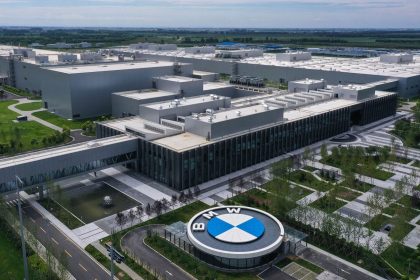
<point x="212" y="13"/>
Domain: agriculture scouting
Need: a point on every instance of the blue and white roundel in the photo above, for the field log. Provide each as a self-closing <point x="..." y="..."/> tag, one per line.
<point x="235" y="228"/>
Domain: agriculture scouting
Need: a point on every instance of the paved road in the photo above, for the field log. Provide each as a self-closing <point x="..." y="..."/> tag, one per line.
<point x="333" y="265"/>
<point x="274" y="273"/>
<point x="80" y="265"/>
<point x="133" y="242"/>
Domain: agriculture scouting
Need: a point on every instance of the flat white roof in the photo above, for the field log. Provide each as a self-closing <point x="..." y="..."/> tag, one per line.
<point x="36" y="156"/>
<point x="308" y="81"/>
<point x="369" y="66"/>
<point x="225" y="115"/>
<point x="216" y="85"/>
<point x="183" y="102"/>
<point x="104" y="67"/>
<point x="145" y="94"/>
<point x="182" y="141"/>
<point x="179" y="79"/>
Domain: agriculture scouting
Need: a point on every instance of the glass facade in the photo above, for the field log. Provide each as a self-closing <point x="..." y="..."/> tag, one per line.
<point x="201" y="164"/>
<point x="181" y="170"/>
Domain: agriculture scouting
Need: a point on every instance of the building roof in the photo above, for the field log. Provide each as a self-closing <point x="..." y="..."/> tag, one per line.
<point x="368" y="66"/>
<point x="182" y="141"/>
<point x="184" y="102"/>
<point x="145" y="94"/>
<point x="104" y="67"/>
<point x="179" y="79"/>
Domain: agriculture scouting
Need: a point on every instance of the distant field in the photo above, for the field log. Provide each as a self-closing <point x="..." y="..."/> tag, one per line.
<point x="294" y="38"/>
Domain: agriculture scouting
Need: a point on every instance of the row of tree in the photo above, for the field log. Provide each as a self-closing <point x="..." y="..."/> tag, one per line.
<point x="158" y="207"/>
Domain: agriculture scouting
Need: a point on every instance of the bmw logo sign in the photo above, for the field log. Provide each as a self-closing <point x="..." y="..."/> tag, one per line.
<point x="235" y="232"/>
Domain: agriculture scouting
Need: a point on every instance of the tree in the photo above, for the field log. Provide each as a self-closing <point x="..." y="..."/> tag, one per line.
<point x="148" y="209"/>
<point x="181" y="197"/>
<point x="131" y="216"/>
<point x="120" y="219"/>
<point x="157" y="207"/>
<point x="165" y="204"/>
<point x="174" y="199"/>
<point x="189" y="195"/>
<point x="139" y="211"/>
<point x="324" y="151"/>
<point x="197" y="191"/>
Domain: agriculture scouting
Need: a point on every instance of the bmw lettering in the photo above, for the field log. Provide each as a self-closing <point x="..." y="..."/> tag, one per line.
<point x="237" y="236"/>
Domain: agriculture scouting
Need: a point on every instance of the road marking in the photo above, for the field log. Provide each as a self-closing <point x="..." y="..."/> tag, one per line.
<point x="43" y="229"/>
<point x="169" y="273"/>
<point x="32" y="220"/>
<point x="55" y="241"/>
<point x="345" y="271"/>
<point x="83" y="267"/>
<point x="68" y="253"/>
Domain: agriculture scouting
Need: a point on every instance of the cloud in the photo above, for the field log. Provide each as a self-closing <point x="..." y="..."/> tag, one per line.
<point x="214" y="13"/>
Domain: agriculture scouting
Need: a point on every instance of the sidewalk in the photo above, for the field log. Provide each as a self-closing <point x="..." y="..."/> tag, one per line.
<point x="30" y="116"/>
<point x="133" y="275"/>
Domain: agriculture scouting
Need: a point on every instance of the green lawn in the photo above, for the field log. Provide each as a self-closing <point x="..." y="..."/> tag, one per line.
<point x="328" y="204"/>
<point x="406" y="200"/>
<point x="283" y="188"/>
<point x="312" y="267"/>
<point x="60" y="213"/>
<point x="190" y="264"/>
<point x="307" y="179"/>
<point x="30" y="106"/>
<point x="309" y="168"/>
<point x="11" y="263"/>
<point x="358" y="160"/>
<point x="59" y="121"/>
<point x="402" y="259"/>
<point x="22" y="136"/>
<point x="361" y="186"/>
<point x="346" y="193"/>
<point x="397" y="233"/>
<point x="409" y="213"/>
<point x="402" y="160"/>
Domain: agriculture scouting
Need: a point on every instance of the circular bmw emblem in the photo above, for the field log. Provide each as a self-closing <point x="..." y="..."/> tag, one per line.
<point x="235" y="228"/>
<point x="235" y="232"/>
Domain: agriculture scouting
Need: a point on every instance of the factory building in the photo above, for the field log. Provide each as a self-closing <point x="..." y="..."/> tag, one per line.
<point x="291" y="66"/>
<point x="187" y="141"/>
<point x="184" y="130"/>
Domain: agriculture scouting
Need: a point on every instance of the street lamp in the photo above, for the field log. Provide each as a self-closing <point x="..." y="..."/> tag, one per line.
<point x="22" y="237"/>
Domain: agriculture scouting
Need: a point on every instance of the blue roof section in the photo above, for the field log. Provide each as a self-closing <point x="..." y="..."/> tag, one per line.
<point x="229" y="44"/>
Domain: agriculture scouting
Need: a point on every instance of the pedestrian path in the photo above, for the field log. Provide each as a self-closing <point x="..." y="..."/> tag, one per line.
<point x="135" y="184"/>
<point x="30" y="116"/>
<point x="310" y="198"/>
<point x="90" y="233"/>
<point x="412" y="240"/>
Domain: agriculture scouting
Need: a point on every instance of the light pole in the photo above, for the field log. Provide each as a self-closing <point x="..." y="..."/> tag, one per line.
<point x="22" y="237"/>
